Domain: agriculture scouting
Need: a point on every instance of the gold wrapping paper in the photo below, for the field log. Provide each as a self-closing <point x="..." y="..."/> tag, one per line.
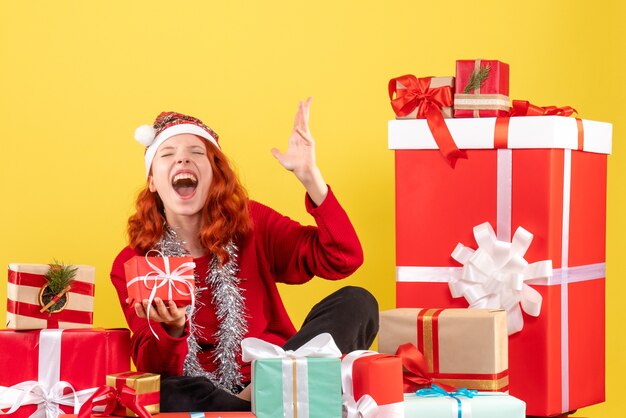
<point x="141" y="383"/>
<point x="471" y="348"/>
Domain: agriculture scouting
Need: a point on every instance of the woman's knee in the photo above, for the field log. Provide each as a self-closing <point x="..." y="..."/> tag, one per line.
<point x="360" y="300"/>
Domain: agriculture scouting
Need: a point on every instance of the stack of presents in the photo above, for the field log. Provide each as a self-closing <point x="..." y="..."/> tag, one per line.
<point x="500" y="271"/>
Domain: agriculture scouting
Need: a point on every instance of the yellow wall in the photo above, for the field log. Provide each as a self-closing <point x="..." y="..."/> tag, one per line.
<point x="76" y="78"/>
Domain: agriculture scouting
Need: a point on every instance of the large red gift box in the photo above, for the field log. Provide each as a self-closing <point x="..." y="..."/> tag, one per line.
<point x="491" y="98"/>
<point x="536" y="178"/>
<point x="372" y="382"/>
<point x="25" y="285"/>
<point x="186" y="415"/>
<point x="48" y="364"/>
<point x="169" y="278"/>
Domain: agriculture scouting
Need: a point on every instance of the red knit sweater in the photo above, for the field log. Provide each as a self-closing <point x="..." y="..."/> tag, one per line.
<point x="278" y="250"/>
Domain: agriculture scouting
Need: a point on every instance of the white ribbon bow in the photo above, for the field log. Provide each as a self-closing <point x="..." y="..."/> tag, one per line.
<point x="322" y="345"/>
<point x="46" y="399"/>
<point x="366" y="406"/>
<point x="158" y="278"/>
<point x="494" y="276"/>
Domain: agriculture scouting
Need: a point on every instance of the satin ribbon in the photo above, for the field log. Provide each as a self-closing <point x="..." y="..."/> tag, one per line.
<point x="525" y="108"/>
<point x="462" y="410"/>
<point x="417" y="94"/>
<point x="111" y="398"/>
<point x="48" y="392"/>
<point x="38" y="280"/>
<point x="52" y="319"/>
<point x="157" y="278"/>
<point x="366" y="406"/>
<point x="415" y="373"/>
<point x="295" y="397"/>
<point x="494" y="275"/>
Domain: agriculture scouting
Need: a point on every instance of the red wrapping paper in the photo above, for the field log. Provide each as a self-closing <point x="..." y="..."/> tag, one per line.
<point x="380" y="376"/>
<point x="87" y="356"/>
<point x="437" y="207"/>
<point x="495" y="86"/>
<point x="173" y="278"/>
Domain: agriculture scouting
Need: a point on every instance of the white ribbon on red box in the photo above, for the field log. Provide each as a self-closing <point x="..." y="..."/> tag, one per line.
<point x="562" y="276"/>
<point x="366" y="406"/>
<point x="47" y="392"/>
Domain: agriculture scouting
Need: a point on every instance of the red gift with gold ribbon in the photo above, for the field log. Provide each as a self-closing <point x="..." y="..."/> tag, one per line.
<point x="462" y="348"/>
<point x="546" y="174"/>
<point x="25" y="299"/>
<point x="481" y="89"/>
<point x="426" y="98"/>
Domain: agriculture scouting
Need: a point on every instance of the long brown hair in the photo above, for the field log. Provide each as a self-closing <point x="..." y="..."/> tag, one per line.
<point x="225" y="216"/>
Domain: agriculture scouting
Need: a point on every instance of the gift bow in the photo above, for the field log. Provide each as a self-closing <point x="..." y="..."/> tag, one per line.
<point x="46" y="398"/>
<point x="428" y="101"/>
<point x="322" y="345"/>
<point x="525" y="108"/>
<point x="438" y="391"/>
<point x="168" y="277"/>
<point x="366" y="406"/>
<point x="110" y="398"/>
<point x="415" y="374"/>
<point x="493" y="276"/>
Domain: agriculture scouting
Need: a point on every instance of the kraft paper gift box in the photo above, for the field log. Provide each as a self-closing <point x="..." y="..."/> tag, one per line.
<point x="479" y="405"/>
<point x="546" y="174"/>
<point x="25" y="287"/>
<point x="408" y="85"/>
<point x="463" y="348"/>
<point x="490" y="98"/>
<point x="305" y="382"/>
<point x="169" y="278"/>
<point x="49" y="363"/>
<point x="372" y="385"/>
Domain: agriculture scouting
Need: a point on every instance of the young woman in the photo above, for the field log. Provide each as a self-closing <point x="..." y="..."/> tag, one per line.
<point x="193" y="204"/>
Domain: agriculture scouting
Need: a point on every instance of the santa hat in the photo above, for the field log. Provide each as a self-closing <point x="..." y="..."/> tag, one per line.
<point x="166" y="125"/>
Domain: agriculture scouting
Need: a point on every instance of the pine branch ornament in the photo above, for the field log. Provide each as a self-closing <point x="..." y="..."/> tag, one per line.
<point x="53" y="296"/>
<point x="477" y="79"/>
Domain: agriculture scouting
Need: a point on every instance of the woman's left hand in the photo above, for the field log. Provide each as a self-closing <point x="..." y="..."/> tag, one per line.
<point x="300" y="155"/>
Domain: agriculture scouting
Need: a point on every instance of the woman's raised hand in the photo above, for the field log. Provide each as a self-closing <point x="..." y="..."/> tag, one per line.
<point x="300" y="155"/>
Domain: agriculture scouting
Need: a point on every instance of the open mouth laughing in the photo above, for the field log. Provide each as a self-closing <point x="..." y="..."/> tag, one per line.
<point x="185" y="183"/>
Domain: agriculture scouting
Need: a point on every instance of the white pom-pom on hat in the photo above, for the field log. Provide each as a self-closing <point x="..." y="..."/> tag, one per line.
<point x="145" y="135"/>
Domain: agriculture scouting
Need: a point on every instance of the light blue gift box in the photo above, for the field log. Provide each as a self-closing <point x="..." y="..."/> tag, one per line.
<point x="316" y="382"/>
<point x="480" y="405"/>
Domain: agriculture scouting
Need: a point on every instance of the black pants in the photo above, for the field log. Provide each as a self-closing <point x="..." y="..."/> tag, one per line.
<point x="350" y="315"/>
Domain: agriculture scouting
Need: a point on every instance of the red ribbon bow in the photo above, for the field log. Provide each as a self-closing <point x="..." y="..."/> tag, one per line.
<point x="416" y="376"/>
<point x="525" y="108"/>
<point x="111" y="397"/>
<point x="417" y="94"/>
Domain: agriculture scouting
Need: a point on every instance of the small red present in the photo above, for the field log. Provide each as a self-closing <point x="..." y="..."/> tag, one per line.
<point x="55" y="370"/>
<point x="169" y="278"/>
<point x="481" y="89"/>
<point x="372" y="385"/>
<point x="30" y="304"/>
